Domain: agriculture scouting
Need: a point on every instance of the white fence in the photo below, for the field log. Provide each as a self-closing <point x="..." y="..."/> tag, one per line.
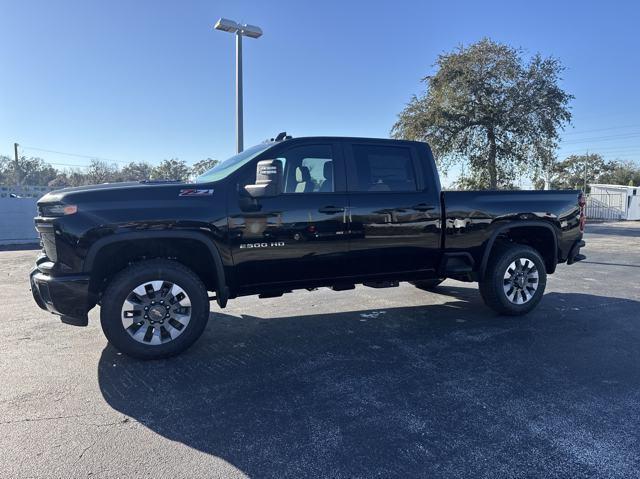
<point x="24" y="191"/>
<point x="607" y="206"/>
<point x="16" y="220"/>
<point x="17" y="209"/>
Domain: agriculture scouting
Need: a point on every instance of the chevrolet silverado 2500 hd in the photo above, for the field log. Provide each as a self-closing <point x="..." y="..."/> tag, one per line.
<point x="290" y="214"/>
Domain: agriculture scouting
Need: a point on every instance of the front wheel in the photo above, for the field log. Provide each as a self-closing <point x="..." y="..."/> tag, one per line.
<point x="154" y="309"/>
<point x="514" y="281"/>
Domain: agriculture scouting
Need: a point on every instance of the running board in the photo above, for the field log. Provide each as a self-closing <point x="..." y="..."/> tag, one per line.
<point x="343" y="286"/>
<point x="382" y="284"/>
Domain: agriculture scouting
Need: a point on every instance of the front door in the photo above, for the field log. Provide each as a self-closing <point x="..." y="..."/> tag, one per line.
<point x="394" y="215"/>
<point x="299" y="235"/>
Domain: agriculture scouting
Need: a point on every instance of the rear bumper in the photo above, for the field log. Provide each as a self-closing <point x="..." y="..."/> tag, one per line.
<point x="67" y="296"/>
<point x="574" y="253"/>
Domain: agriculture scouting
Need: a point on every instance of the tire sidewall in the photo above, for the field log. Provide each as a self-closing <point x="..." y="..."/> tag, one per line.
<point x="120" y="288"/>
<point x="509" y="255"/>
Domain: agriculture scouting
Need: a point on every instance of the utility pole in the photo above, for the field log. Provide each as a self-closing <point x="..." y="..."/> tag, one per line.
<point x="239" y="118"/>
<point x="16" y="167"/>
<point x="586" y="160"/>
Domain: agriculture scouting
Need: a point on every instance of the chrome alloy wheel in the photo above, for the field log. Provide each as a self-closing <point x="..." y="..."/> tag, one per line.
<point x="156" y="312"/>
<point x="521" y="281"/>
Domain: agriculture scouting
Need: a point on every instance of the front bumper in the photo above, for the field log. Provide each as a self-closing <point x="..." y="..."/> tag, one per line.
<point x="66" y="295"/>
<point x="574" y="253"/>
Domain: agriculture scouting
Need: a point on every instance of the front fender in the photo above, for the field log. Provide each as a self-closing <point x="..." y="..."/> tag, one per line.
<point x="222" y="292"/>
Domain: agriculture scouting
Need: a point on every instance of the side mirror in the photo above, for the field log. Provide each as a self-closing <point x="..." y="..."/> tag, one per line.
<point x="268" y="179"/>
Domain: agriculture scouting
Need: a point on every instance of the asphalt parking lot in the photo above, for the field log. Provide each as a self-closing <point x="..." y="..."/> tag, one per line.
<point x="366" y="383"/>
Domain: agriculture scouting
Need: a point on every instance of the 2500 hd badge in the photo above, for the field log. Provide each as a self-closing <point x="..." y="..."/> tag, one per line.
<point x="262" y="245"/>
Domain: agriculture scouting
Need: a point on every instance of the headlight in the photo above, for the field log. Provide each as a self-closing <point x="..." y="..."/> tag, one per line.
<point x="58" y="210"/>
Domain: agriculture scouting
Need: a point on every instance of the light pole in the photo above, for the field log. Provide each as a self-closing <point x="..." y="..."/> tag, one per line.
<point x="243" y="30"/>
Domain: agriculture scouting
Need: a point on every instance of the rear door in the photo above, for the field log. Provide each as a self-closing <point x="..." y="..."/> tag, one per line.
<point x="299" y="235"/>
<point x="394" y="211"/>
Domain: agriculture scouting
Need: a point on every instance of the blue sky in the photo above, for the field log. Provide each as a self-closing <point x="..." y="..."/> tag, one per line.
<point x="148" y="80"/>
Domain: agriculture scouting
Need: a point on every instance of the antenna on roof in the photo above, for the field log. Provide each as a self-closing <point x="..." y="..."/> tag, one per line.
<point x="281" y="136"/>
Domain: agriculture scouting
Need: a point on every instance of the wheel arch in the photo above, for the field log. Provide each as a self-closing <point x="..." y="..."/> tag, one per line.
<point x="196" y="250"/>
<point x="520" y="232"/>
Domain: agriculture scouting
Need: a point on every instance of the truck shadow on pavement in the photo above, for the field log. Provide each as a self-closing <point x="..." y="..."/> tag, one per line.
<point x="403" y="392"/>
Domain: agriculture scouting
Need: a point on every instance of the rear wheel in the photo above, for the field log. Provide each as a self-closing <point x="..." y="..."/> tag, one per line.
<point x="427" y="284"/>
<point x="154" y="309"/>
<point x="514" y="281"/>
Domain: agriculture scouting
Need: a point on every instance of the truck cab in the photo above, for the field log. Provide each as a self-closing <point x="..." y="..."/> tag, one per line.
<point x="344" y="210"/>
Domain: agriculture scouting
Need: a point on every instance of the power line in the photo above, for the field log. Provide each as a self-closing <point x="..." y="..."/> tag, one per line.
<point x="67" y="164"/>
<point x="603" y="149"/>
<point x="580" y="132"/>
<point x="602" y="138"/>
<point x="77" y="155"/>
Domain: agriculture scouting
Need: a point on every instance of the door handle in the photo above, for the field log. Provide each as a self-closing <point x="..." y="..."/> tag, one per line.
<point x="331" y="209"/>
<point x="423" y="207"/>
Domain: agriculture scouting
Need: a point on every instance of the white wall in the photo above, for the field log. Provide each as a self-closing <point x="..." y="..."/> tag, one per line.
<point x="16" y="220"/>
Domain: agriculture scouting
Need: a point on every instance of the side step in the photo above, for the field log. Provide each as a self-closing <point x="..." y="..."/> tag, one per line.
<point x="382" y="284"/>
<point x="343" y="287"/>
<point x="273" y="294"/>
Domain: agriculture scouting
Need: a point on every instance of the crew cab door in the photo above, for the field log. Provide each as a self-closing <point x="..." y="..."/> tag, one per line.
<point x="299" y="235"/>
<point x="394" y="209"/>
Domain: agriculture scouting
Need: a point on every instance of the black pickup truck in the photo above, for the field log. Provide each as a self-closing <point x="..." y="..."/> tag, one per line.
<point x="290" y="214"/>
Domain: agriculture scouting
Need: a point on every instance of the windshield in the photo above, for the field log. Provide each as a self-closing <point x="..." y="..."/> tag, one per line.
<point x="228" y="166"/>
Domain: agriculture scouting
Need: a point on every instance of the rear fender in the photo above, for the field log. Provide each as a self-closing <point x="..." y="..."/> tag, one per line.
<point x="513" y="226"/>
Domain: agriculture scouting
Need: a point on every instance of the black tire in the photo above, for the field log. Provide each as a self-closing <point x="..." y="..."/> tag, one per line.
<point x="500" y="293"/>
<point x="428" y="284"/>
<point x="169" y="272"/>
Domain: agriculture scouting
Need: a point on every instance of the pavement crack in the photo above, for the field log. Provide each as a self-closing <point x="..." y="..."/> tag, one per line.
<point x="49" y="418"/>
<point x="84" y="451"/>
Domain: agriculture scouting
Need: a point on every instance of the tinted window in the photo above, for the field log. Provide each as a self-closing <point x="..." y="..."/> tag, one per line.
<point x="383" y="168"/>
<point x="308" y="169"/>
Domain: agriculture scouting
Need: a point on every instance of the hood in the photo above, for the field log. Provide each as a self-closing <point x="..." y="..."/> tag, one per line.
<point x="75" y="193"/>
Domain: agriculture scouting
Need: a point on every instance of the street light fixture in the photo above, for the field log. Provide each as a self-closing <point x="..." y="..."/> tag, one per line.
<point x="243" y="30"/>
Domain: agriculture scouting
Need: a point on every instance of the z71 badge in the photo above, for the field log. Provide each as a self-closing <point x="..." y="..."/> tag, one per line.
<point x="194" y="192"/>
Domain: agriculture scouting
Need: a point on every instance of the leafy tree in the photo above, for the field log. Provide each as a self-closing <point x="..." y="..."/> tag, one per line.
<point x="481" y="182"/>
<point x="77" y="177"/>
<point x="620" y="173"/>
<point x="576" y="170"/>
<point x="6" y="171"/>
<point x="136" y="171"/>
<point x="60" y="181"/>
<point x="101" y="172"/>
<point x="27" y="171"/>
<point x="202" y="166"/>
<point x="173" y="169"/>
<point x="488" y="108"/>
